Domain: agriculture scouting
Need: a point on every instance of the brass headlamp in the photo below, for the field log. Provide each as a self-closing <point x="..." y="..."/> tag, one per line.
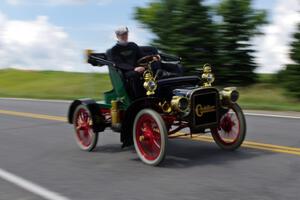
<point x="207" y="76"/>
<point x="180" y="104"/>
<point x="150" y="83"/>
<point x="229" y="95"/>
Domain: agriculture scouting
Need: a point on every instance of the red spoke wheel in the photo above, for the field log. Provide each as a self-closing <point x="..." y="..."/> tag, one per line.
<point x="232" y="129"/>
<point x="85" y="137"/>
<point x="150" y="136"/>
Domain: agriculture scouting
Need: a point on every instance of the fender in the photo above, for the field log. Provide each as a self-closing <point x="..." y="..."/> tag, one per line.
<point x="131" y="112"/>
<point x="94" y="108"/>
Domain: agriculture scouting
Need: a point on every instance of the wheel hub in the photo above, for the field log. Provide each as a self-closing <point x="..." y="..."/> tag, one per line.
<point x="227" y="124"/>
<point x="148" y="137"/>
<point x="84" y="127"/>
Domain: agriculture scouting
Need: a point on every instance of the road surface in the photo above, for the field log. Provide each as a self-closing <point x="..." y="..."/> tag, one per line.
<point x="39" y="159"/>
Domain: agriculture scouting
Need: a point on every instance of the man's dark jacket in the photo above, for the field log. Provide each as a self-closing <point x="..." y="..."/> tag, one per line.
<point x="126" y="56"/>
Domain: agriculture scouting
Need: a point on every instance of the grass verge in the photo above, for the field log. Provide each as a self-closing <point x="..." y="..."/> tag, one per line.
<point x="52" y="85"/>
<point x="265" y="95"/>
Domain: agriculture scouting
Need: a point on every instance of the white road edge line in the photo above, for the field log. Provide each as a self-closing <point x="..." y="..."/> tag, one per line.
<point x="29" y="186"/>
<point x="272" y="115"/>
<point x="68" y="101"/>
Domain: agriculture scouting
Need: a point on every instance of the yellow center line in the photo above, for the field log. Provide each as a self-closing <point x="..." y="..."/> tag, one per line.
<point x="273" y="146"/>
<point x="247" y="144"/>
<point x="279" y="150"/>
<point x="33" y="115"/>
<point x="204" y="138"/>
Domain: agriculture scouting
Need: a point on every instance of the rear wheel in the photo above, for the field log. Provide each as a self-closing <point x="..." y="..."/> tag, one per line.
<point x="150" y="136"/>
<point x="85" y="137"/>
<point x="232" y="129"/>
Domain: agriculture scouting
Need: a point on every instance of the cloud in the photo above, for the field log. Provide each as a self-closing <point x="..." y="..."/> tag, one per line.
<point x="38" y="45"/>
<point x="273" y="47"/>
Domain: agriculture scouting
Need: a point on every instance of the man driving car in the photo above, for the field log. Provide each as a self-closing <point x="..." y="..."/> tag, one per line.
<point x="125" y="55"/>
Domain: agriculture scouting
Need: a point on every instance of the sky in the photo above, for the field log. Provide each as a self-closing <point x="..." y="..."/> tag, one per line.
<point x="52" y="34"/>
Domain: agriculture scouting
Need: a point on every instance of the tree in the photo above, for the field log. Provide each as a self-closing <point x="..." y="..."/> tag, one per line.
<point x="238" y="25"/>
<point x="182" y="27"/>
<point x="290" y="77"/>
<point x="186" y="28"/>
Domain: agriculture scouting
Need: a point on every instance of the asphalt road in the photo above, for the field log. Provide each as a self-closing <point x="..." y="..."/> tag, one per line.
<point x="44" y="152"/>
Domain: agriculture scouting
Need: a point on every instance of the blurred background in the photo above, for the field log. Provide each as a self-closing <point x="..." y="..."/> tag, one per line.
<point x="252" y="44"/>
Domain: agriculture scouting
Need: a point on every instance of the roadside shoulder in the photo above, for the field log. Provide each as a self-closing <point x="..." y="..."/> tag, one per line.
<point x="279" y="114"/>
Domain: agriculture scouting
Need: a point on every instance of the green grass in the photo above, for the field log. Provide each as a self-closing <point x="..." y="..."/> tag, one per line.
<point x="265" y="95"/>
<point x="52" y="85"/>
<point x="267" y="78"/>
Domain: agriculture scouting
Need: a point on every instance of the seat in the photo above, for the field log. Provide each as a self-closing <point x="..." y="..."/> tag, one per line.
<point x="165" y="85"/>
<point x="118" y="82"/>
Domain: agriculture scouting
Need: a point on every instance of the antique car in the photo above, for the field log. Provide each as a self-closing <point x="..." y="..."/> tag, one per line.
<point x="171" y="103"/>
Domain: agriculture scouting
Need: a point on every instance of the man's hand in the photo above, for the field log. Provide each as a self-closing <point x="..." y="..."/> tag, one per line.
<point x="139" y="69"/>
<point x="157" y="57"/>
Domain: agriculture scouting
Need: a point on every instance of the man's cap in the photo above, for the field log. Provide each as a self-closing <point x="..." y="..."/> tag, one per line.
<point x="121" y="30"/>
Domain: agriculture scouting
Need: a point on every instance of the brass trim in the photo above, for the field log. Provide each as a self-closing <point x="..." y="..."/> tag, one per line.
<point x="207" y="76"/>
<point x="200" y="110"/>
<point x="165" y="106"/>
<point x="115" y="113"/>
<point x="88" y="52"/>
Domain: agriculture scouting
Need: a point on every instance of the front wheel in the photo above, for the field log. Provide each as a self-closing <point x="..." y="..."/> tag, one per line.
<point x="85" y="137"/>
<point x="150" y="136"/>
<point x="232" y="129"/>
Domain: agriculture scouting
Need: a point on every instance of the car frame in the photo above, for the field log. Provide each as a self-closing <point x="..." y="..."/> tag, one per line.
<point x="169" y="105"/>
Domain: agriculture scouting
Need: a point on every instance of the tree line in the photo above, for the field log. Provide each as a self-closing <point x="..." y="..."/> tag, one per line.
<point x="220" y="35"/>
<point x="200" y="34"/>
